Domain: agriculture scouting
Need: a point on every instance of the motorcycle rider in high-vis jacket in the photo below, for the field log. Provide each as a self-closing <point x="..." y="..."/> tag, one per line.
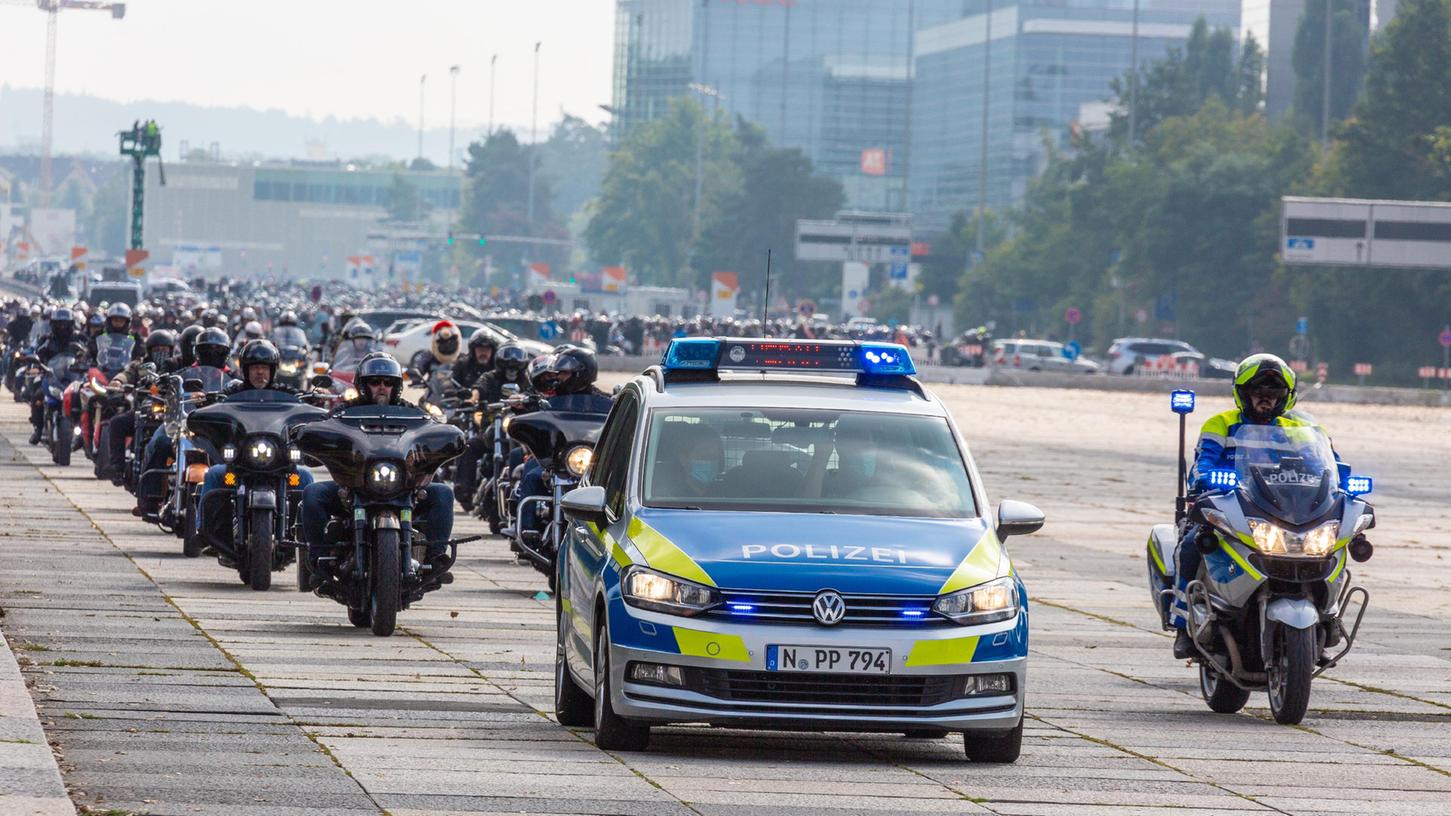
<point x="1264" y="394"/>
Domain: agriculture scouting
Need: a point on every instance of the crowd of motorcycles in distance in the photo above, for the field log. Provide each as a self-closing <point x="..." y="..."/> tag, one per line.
<point x="380" y="456"/>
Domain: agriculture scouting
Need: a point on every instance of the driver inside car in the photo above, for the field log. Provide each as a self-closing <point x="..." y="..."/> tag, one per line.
<point x="1264" y="394"/>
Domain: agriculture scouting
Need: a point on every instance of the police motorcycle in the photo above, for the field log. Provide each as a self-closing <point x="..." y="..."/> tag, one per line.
<point x="58" y="431"/>
<point x="1273" y="595"/>
<point x="380" y="456"/>
<point x="251" y="519"/>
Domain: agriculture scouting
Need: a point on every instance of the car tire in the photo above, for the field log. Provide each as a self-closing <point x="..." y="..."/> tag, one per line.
<point x="998" y="748"/>
<point x="612" y="732"/>
<point x="572" y="705"/>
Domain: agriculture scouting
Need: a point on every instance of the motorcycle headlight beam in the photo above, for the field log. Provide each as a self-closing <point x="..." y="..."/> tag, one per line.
<point x="385" y="478"/>
<point x="578" y="460"/>
<point x="1272" y="539"/>
<point x="261" y="452"/>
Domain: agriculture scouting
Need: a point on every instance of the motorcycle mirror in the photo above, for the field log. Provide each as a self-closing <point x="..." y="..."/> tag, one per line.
<point x="1017" y="518"/>
<point x="585" y="504"/>
<point x="509" y="389"/>
<point x="615" y="392"/>
<point x="322" y="382"/>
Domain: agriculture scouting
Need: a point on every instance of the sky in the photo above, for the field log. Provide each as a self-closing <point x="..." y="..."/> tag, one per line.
<point x="315" y="58"/>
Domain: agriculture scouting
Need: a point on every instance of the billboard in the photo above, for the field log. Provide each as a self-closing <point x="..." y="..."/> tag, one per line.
<point x="725" y="287"/>
<point x="1365" y="232"/>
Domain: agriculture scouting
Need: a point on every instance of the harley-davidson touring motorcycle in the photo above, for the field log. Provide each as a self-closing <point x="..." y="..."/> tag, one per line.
<point x="251" y="519"/>
<point x="563" y="442"/>
<point x="1274" y="604"/>
<point x="380" y="456"/>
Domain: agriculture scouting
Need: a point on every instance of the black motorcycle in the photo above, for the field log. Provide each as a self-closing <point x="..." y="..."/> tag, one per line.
<point x="563" y="443"/>
<point x="251" y="519"/>
<point x="380" y="456"/>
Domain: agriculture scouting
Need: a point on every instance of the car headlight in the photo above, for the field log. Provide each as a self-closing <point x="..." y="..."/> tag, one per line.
<point x="659" y="592"/>
<point x="385" y="478"/>
<point x="996" y="600"/>
<point x="1272" y="539"/>
<point x="578" y="459"/>
<point x="261" y="452"/>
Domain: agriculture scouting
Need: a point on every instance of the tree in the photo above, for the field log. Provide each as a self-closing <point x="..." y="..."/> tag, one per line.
<point x="1349" y="33"/>
<point x="405" y="201"/>
<point x="778" y="187"/>
<point x="496" y="202"/>
<point x="1209" y="65"/>
<point x="575" y="157"/>
<point x="644" y="216"/>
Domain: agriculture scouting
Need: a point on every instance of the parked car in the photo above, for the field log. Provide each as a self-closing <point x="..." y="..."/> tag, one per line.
<point x="1210" y="368"/>
<point x="1128" y="353"/>
<point x="1040" y="355"/>
<point x="409" y="336"/>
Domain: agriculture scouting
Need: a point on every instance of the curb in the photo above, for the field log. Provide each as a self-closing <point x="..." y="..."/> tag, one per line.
<point x="30" y="782"/>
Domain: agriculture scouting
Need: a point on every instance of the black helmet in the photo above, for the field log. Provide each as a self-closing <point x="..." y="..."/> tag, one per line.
<point x="212" y="348"/>
<point x="482" y="339"/>
<point x="62" y="324"/>
<point x="159" y="345"/>
<point x="210" y="318"/>
<point x="118" y="318"/>
<point x="186" y="344"/>
<point x="1264" y="373"/>
<point x="377" y="366"/>
<point x="260" y="352"/>
<point x="95" y="324"/>
<point x="542" y="377"/>
<point x="510" y="359"/>
<point x="580" y="364"/>
<point x="358" y="327"/>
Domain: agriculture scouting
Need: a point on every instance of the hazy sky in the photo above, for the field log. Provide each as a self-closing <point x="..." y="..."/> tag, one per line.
<point x="347" y="58"/>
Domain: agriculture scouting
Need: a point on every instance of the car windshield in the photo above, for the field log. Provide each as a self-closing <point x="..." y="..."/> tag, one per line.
<point x="805" y="461"/>
<point x="1292" y="469"/>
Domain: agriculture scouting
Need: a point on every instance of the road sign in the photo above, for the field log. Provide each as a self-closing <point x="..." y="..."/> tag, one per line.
<point x="867" y="239"/>
<point x="933" y="300"/>
<point x="1302" y="326"/>
<point x="1073" y="315"/>
<point x="1426" y="372"/>
<point x="1364" y="369"/>
<point x="1365" y="232"/>
<point x="1072" y="350"/>
<point x="550" y="297"/>
<point x="1445" y="337"/>
<point x="899" y="271"/>
<point x="1141" y="316"/>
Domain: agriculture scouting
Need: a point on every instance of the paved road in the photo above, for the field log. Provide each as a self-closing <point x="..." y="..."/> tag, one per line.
<point x="168" y="688"/>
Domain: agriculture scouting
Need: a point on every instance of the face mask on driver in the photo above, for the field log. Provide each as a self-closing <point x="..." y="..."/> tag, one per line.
<point x="864" y="467"/>
<point x="701" y="470"/>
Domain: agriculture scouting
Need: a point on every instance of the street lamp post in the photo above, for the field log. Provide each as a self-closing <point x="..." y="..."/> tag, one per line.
<point x="452" y="110"/>
<point x="987" y="74"/>
<point x="534" y="137"/>
<point x="493" y="71"/>
<point x="710" y="91"/>
<point x="422" y="81"/>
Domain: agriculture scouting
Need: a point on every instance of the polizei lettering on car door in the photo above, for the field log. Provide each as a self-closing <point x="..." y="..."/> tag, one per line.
<point x="824" y="552"/>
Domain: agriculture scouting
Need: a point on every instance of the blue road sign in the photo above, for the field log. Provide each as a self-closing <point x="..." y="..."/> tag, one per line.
<point x="899" y="271"/>
<point x="1299" y="243"/>
<point x="1072" y="349"/>
<point x="1302" y="326"/>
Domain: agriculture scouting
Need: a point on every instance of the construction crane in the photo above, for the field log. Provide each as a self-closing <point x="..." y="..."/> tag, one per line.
<point x="53" y="8"/>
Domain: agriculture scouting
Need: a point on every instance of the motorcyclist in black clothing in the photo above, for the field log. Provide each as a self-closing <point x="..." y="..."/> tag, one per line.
<point x="19" y="328"/>
<point x="186" y="346"/>
<point x="480" y="360"/>
<point x="258" y="362"/>
<point x="118" y="322"/>
<point x="379" y="382"/>
<point x="571" y="374"/>
<point x="508" y="369"/>
<point x="61" y="339"/>
<point x="210" y="349"/>
<point x="158" y="354"/>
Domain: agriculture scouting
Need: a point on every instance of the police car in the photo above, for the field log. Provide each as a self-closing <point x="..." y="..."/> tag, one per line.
<point x="789" y="534"/>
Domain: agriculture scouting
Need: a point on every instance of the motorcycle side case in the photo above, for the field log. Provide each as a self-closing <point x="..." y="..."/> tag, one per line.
<point x="1163" y="539"/>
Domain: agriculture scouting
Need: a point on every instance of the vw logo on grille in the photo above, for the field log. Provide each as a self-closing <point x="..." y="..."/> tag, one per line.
<point x="828" y="608"/>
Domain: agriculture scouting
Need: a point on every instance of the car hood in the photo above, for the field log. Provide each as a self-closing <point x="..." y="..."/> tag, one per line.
<point x="800" y="552"/>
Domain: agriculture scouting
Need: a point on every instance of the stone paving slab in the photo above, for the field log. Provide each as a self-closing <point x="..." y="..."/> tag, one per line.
<point x="208" y="697"/>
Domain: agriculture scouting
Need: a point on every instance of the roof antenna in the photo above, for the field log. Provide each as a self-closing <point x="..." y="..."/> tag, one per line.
<point x="766" y="302"/>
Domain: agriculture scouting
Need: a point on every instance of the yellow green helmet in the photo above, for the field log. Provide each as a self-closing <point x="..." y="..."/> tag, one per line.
<point x="1260" y="371"/>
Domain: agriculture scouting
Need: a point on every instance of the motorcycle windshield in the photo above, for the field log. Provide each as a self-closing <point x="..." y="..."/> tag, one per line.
<point x="211" y="379"/>
<point x="1290" y="472"/>
<point x="113" y="352"/>
<point x="284" y="336"/>
<point x="254" y="411"/>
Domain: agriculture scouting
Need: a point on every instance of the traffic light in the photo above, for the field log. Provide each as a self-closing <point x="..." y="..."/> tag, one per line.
<point x="483" y="241"/>
<point x="450" y="237"/>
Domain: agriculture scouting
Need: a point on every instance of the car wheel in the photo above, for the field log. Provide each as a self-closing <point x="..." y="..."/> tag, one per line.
<point x="612" y="732"/>
<point x="572" y="705"/>
<point x="995" y="748"/>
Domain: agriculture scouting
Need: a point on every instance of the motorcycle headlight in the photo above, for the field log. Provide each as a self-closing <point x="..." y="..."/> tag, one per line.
<point x="385" y="478"/>
<point x="996" y="600"/>
<point x="157" y="409"/>
<point x="288" y="368"/>
<point x="508" y="419"/>
<point x="578" y="459"/>
<point x="350" y="394"/>
<point x="478" y="418"/>
<point x="261" y="452"/>
<point x="656" y="591"/>
<point x="228" y="453"/>
<point x="1272" y="539"/>
<point x="433" y="410"/>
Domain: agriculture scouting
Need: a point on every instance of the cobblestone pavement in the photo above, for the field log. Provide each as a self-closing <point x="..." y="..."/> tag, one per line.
<point x="166" y="687"/>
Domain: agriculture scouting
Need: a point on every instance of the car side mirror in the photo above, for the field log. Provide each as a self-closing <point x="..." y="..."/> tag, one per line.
<point x="585" y="504"/>
<point x="1017" y="518"/>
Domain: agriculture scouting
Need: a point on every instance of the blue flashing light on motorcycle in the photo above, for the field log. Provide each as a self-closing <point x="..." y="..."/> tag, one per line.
<point x="1182" y="402"/>
<point x="1359" y="485"/>
<point x="1223" y="478"/>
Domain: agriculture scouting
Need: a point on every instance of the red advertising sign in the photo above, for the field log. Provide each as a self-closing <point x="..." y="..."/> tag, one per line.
<point x="876" y="161"/>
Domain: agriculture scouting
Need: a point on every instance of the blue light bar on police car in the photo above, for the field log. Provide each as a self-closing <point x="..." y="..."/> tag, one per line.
<point x="751" y="354"/>
<point x="1223" y="478"/>
<point x="1182" y="401"/>
<point x="1359" y="485"/>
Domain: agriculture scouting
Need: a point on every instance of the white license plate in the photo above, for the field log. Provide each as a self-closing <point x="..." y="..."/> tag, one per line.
<point x="830" y="659"/>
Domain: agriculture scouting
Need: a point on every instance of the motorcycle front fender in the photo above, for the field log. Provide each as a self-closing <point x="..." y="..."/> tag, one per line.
<point x="262" y="499"/>
<point x="1296" y="613"/>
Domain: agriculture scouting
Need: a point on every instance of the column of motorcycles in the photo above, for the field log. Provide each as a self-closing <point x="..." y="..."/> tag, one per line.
<point x="379" y="455"/>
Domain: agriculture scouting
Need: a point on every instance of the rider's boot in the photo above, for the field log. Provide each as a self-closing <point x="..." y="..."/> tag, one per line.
<point x="35" y="436"/>
<point x="1183" y="645"/>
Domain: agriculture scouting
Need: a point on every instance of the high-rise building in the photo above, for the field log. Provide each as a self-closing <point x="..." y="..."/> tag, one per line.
<point x="831" y="77"/>
<point x="1027" y="68"/>
<point x="1275" y="24"/>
